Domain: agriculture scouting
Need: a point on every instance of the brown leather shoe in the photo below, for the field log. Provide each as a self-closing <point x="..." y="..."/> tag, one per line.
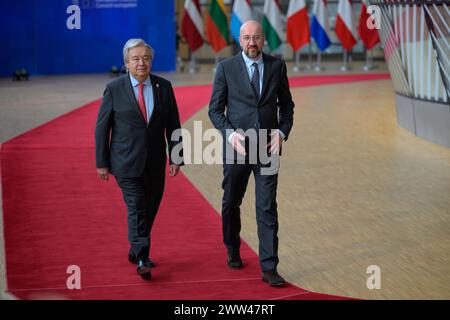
<point x="273" y="278"/>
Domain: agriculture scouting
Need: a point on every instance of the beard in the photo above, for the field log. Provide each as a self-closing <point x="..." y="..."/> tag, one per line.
<point x="252" y="52"/>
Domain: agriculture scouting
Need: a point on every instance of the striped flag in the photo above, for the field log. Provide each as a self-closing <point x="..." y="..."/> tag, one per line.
<point x="297" y="26"/>
<point x="344" y="24"/>
<point x="272" y="25"/>
<point x="319" y="24"/>
<point x="241" y="13"/>
<point x="368" y="36"/>
<point x="217" y="26"/>
<point x="192" y="24"/>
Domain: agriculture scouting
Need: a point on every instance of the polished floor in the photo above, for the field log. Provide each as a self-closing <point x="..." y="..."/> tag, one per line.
<point x="355" y="189"/>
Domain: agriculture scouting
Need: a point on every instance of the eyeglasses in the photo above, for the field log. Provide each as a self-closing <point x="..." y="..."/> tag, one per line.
<point x="256" y="38"/>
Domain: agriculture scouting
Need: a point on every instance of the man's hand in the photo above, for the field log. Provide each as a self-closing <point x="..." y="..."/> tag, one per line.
<point x="236" y="143"/>
<point x="173" y="170"/>
<point x="275" y="142"/>
<point x="103" y="173"/>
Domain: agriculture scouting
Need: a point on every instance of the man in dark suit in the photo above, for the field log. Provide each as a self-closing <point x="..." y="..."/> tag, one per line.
<point x="251" y="93"/>
<point x="138" y="113"/>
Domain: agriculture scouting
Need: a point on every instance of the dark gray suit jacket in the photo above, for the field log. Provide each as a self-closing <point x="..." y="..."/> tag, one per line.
<point x="233" y="104"/>
<point x="123" y="141"/>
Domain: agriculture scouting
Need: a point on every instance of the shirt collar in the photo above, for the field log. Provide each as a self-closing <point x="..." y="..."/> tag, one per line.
<point x="134" y="82"/>
<point x="249" y="62"/>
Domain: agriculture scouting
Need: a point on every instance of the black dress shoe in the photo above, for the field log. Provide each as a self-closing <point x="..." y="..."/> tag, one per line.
<point x="132" y="259"/>
<point x="273" y="278"/>
<point x="234" y="260"/>
<point x="148" y="262"/>
<point x="144" y="271"/>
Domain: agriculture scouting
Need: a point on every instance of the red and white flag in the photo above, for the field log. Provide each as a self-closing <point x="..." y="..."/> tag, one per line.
<point x="344" y="24"/>
<point x="368" y="36"/>
<point x="297" y="26"/>
<point x="192" y="24"/>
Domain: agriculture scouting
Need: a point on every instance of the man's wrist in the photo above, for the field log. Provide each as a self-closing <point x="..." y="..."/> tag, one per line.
<point x="230" y="137"/>
<point x="282" y="135"/>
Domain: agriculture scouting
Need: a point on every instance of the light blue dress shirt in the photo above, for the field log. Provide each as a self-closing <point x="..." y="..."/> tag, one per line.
<point x="148" y="94"/>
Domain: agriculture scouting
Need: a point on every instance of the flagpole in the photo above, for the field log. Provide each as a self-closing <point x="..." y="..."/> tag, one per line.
<point x="192" y="64"/>
<point x="366" y="67"/>
<point x="297" y="66"/>
<point x="369" y="61"/>
<point x="344" y="67"/>
<point x="318" y="67"/>
<point x="309" y="65"/>
<point x="216" y="61"/>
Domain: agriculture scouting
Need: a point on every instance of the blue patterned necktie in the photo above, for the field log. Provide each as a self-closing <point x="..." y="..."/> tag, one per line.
<point x="255" y="79"/>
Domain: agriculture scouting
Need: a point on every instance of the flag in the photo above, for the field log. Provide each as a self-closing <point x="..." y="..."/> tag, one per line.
<point x="319" y="24"/>
<point x="297" y="26"/>
<point x="344" y="27"/>
<point x="217" y="26"/>
<point x="241" y="13"/>
<point x="192" y="24"/>
<point x="272" y="25"/>
<point x="368" y="36"/>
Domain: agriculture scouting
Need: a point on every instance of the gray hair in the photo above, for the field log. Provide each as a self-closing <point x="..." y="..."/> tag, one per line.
<point x="133" y="43"/>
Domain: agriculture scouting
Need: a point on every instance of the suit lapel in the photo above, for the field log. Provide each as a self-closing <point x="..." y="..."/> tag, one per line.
<point x="266" y="75"/>
<point x="156" y="98"/>
<point x="243" y="75"/>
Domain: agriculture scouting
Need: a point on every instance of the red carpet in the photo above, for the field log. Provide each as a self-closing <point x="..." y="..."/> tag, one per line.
<point x="57" y="213"/>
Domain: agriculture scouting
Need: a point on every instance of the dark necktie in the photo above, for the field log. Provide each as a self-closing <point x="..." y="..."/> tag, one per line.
<point x="255" y="79"/>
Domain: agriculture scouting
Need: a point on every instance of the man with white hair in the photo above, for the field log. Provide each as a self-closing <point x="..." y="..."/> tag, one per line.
<point x="137" y="115"/>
